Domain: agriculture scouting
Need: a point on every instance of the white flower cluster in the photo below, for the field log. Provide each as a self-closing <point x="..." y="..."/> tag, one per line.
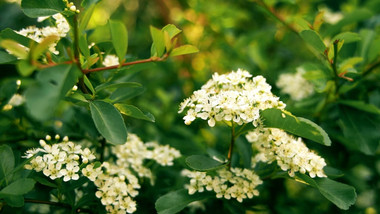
<point x="295" y="85"/>
<point x="59" y="160"/>
<point x="117" y="185"/>
<point x="234" y="183"/>
<point x="231" y="97"/>
<point x="290" y="153"/>
<point x="110" y="60"/>
<point x="39" y="34"/>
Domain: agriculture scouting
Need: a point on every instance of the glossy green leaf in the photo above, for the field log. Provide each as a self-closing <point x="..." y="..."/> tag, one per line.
<point x="109" y="122"/>
<point x="314" y="40"/>
<point x="100" y="34"/>
<point x="51" y="86"/>
<point x="6" y="58"/>
<point x="348" y="37"/>
<point x="135" y="112"/>
<point x="342" y="195"/>
<point x="360" y="105"/>
<point x="88" y="3"/>
<point x="182" y="50"/>
<point x="332" y="172"/>
<point x="360" y="129"/>
<point x="7" y="163"/>
<point x="119" y="36"/>
<point x="158" y="46"/>
<point x="349" y="64"/>
<point x="173" y="202"/>
<point x="276" y="118"/>
<point x="35" y="9"/>
<point x="25" y="68"/>
<point x="203" y="163"/>
<point x="172" y="30"/>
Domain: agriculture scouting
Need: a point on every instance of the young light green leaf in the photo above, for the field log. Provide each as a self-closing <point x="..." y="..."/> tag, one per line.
<point x="360" y="105"/>
<point x="83" y="46"/>
<point x="176" y="201"/>
<point x="6" y="58"/>
<point x="119" y="36"/>
<point x="35" y="9"/>
<point x="25" y="68"/>
<point x="158" y="46"/>
<point x="314" y="40"/>
<point x="85" y="17"/>
<point x="43" y="46"/>
<point x="14" y="48"/>
<point x="342" y="195"/>
<point x="349" y="64"/>
<point x="348" y="37"/>
<point x="7" y="163"/>
<point x="51" y="86"/>
<point x="182" y="50"/>
<point x="276" y="118"/>
<point x="133" y="111"/>
<point x="88" y="83"/>
<point x="172" y="30"/>
<point x="203" y="163"/>
<point x="109" y="122"/>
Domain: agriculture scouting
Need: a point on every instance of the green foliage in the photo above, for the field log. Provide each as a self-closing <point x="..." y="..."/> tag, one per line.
<point x="36" y="9"/>
<point x="203" y="163"/>
<point x="275" y="118"/>
<point x="109" y="122"/>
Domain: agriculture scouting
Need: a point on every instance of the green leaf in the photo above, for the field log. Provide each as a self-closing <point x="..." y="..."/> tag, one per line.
<point x="87" y="3"/>
<point x="126" y="93"/>
<point x="342" y="195"/>
<point x="360" y="129"/>
<point x="52" y="84"/>
<point x="109" y="122"/>
<point x="176" y="201"/>
<point x="333" y="172"/>
<point x="348" y="37"/>
<point x="18" y="187"/>
<point x="83" y="46"/>
<point x="133" y="111"/>
<point x="100" y="34"/>
<point x="203" y="163"/>
<point x="14" y="200"/>
<point x="35" y="9"/>
<point x="354" y="16"/>
<point x="349" y="64"/>
<point x="88" y="84"/>
<point x="119" y="36"/>
<point x="276" y="118"/>
<point x="172" y="30"/>
<point x="314" y="40"/>
<point x="360" y="105"/>
<point x="25" y="68"/>
<point x="158" y="46"/>
<point x="182" y="50"/>
<point x="85" y="16"/>
<point x="7" y="163"/>
<point x="6" y="58"/>
<point x="110" y="85"/>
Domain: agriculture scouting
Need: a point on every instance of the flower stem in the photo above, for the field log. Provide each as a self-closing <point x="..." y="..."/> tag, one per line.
<point x="232" y="143"/>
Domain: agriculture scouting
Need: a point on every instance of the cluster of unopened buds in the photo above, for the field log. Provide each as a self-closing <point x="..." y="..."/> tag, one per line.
<point x="71" y="7"/>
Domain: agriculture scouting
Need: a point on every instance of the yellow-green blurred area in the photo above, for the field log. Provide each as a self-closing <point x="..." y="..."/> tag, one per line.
<point x="260" y="36"/>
